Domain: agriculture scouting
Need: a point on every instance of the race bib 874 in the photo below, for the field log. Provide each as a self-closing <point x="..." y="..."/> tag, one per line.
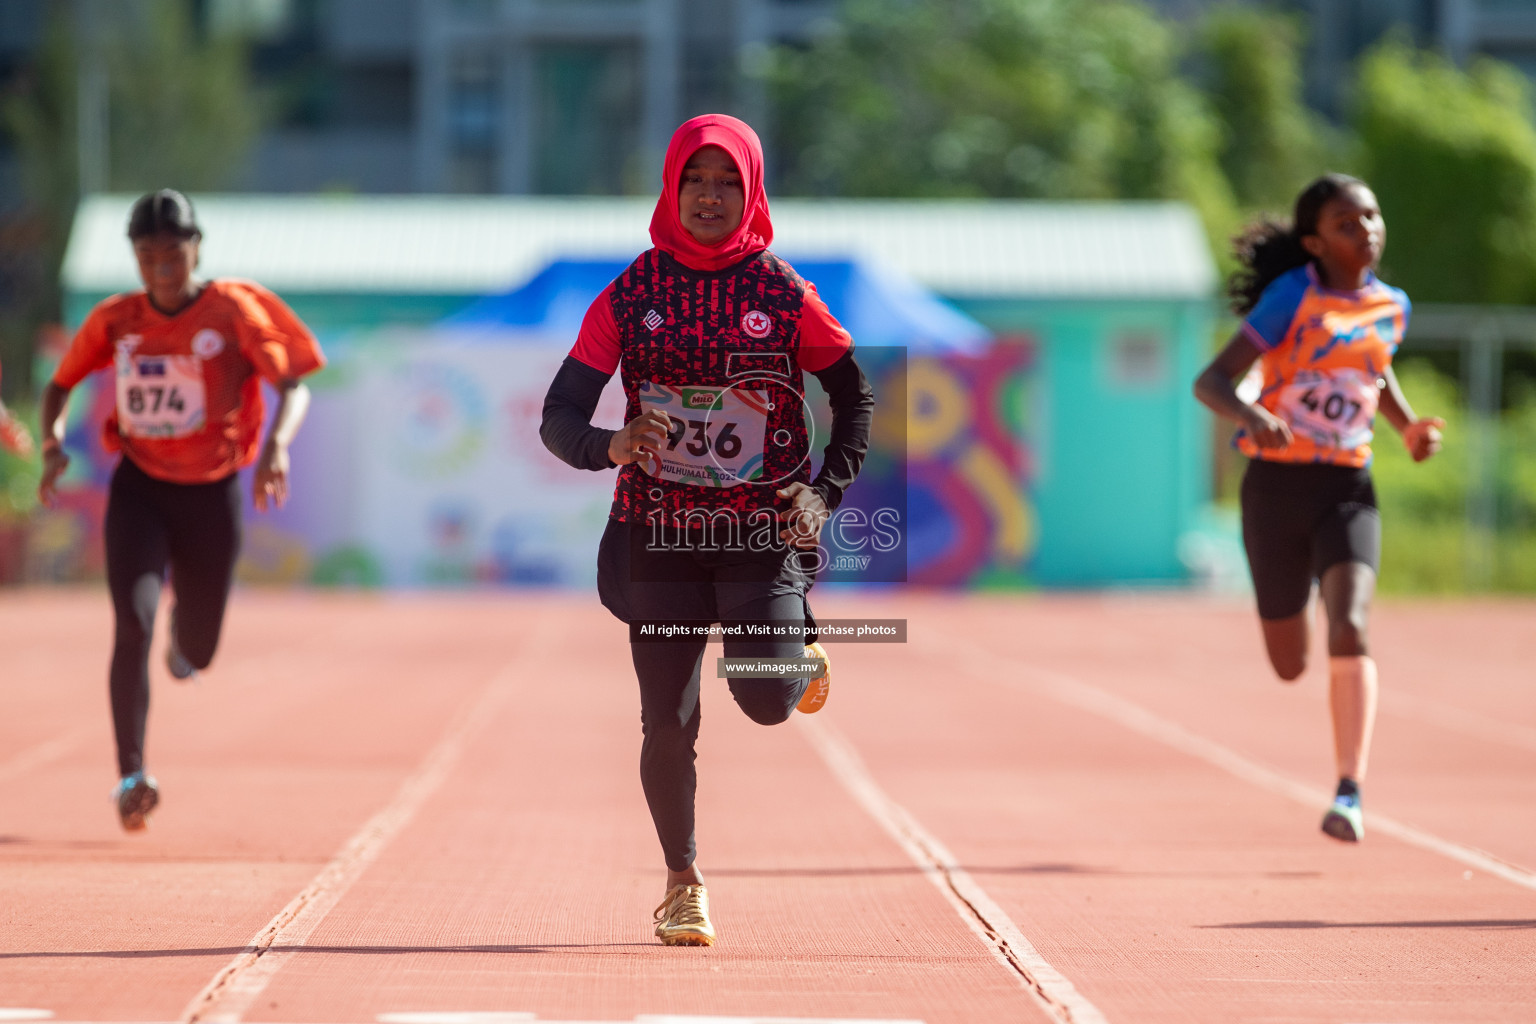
<point x="160" y="396"/>
<point x="717" y="435"/>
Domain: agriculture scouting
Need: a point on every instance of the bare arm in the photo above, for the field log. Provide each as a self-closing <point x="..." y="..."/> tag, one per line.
<point x="1421" y="436"/>
<point x="271" y="480"/>
<point x="55" y="459"/>
<point x="1215" y="388"/>
<point x="1394" y="404"/>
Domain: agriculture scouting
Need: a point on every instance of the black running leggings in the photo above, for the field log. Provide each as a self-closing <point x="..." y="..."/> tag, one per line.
<point x="669" y="674"/>
<point x="153" y="525"/>
<point x="697" y="586"/>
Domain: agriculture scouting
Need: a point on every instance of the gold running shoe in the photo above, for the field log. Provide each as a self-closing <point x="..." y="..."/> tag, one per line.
<point x="683" y="917"/>
<point x="816" y="693"/>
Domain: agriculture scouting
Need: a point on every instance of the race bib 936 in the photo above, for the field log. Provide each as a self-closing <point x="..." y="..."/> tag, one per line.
<point x="716" y="437"/>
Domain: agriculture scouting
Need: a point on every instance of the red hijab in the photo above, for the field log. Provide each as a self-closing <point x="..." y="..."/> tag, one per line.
<point x="739" y="140"/>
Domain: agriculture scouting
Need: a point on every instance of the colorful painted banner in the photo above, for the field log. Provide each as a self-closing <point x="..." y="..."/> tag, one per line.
<point x="421" y="465"/>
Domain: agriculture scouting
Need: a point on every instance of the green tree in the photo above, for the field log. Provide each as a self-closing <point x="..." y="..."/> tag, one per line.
<point x="1002" y="98"/>
<point x="1452" y="157"/>
<point x="181" y="114"/>
<point x="39" y="117"/>
<point x="1272" y="144"/>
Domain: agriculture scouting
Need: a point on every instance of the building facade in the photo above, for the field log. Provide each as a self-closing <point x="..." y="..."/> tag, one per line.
<point x="571" y="97"/>
<point x="578" y="96"/>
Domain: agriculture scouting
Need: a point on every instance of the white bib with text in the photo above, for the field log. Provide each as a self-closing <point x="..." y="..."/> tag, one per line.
<point x="160" y="396"/>
<point x="1334" y="408"/>
<point x="718" y="434"/>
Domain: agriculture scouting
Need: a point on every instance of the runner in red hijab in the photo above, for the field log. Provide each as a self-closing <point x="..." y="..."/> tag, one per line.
<point x="754" y="234"/>
<point x="712" y="334"/>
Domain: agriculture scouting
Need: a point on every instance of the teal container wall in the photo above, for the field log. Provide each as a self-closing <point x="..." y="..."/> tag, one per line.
<point x="1122" y="470"/>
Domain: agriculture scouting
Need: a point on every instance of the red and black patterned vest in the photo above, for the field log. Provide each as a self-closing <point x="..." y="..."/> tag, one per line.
<point x="736" y="327"/>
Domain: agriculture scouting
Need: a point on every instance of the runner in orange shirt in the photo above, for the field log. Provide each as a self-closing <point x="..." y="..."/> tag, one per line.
<point x="1323" y="329"/>
<point x="189" y="357"/>
<point x="14" y="434"/>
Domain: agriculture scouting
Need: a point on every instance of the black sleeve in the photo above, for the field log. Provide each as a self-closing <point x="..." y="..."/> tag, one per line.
<point x="567" y="428"/>
<point x="853" y="406"/>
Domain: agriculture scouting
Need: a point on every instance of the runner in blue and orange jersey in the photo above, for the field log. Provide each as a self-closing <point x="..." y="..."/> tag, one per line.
<point x="1323" y="329"/>
<point x="715" y="516"/>
<point x="189" y="357"/>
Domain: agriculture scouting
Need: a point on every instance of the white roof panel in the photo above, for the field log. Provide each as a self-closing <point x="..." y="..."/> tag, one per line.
<point x="482" y="245"/>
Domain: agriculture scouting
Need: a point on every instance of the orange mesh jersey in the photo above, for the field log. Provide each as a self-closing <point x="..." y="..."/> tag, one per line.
<point x="1324" y="354"/>
<point x="189" y="407"/>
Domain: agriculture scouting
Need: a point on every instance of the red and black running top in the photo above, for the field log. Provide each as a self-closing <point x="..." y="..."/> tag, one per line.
<point x="709" y="332"/>
<point x="751" y="328"/>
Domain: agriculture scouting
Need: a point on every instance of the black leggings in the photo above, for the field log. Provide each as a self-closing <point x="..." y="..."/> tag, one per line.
<point x="728" y="588"/>
<point x="152" y="525"/>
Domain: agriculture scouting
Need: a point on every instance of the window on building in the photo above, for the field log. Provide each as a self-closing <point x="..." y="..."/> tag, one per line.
<point x="710" y="70"/>
<point x="375" y="95"/>
<point x="586" y="120"/>
<point x="472" y="120"/>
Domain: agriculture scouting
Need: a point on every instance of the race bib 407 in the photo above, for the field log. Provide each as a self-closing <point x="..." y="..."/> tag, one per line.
<point x="1335" y="409"/>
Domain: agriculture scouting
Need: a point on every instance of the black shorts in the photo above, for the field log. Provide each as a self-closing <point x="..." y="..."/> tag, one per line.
<point x="1300" y="520"/>
<point x="697" y="581"/>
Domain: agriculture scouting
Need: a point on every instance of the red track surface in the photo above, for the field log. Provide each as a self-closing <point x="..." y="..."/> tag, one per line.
<point x="1095" y="765"/>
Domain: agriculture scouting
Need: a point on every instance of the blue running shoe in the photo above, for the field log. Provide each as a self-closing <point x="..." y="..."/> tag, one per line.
<point x="1344" y="820"/>
<point x="176" y="663"/>
<point x="136" y="795"/>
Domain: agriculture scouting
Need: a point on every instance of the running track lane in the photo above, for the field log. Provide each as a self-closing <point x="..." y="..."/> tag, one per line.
<point x="1169" y="889"/>
<point x="1162" y="887"/>
<point x="524" y="882"/>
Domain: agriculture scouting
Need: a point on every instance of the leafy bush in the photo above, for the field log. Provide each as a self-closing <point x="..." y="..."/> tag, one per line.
<point x="1426" y="539"/>
<point x="1272" y="144"/>
<point x="1073" y="99"/>
<point x="1452" y="157"/>
<point x="19" y="476"/>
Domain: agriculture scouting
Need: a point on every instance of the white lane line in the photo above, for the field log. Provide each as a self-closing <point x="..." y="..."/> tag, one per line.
<point x="10" y="1013"/>
<point x="979" y="911"/>
<point x="1078" y="694"/>
<point x="35" y="757"/>
<point x="241" y="981"/>
<point x="498" y="1017"/>
<point x="1448" y="716"/>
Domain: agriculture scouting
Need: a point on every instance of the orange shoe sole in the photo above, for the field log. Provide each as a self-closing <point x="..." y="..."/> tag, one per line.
<point x="820" y="688"/>
<point x="687" y="940"/>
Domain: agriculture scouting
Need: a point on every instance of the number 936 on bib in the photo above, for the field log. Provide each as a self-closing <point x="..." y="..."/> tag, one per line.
<point x="717" y="435"/>
<point x="160" y="396"/>
<point x="1334" y="408"/>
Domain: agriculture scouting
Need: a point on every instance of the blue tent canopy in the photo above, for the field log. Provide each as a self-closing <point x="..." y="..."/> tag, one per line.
<point x="877" y="306"/>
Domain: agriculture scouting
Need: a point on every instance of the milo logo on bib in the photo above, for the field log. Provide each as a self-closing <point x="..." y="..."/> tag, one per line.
<point x="701" y="398"/>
